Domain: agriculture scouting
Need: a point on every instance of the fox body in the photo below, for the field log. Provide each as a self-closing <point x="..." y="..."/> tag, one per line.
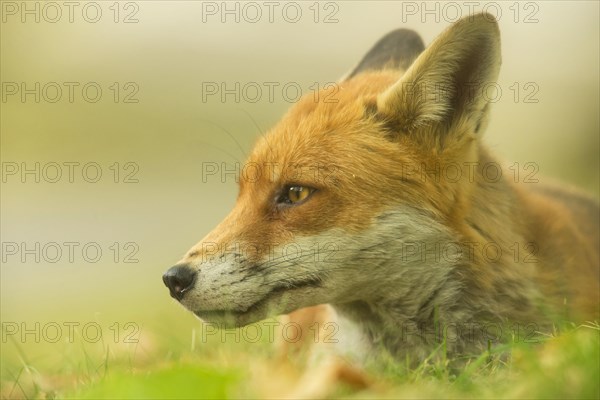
<point x="350" y="206"/>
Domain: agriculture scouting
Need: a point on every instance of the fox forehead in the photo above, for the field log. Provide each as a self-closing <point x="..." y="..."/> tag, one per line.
<point x="324" y="134"/>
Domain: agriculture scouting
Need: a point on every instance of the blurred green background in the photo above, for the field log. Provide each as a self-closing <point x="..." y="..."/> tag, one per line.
<point x="166" y="57"/>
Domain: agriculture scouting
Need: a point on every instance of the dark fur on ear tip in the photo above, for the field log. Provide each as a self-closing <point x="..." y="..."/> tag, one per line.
<point x="398" y="49"/>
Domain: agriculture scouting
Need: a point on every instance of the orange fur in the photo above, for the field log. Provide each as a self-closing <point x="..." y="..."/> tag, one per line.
<point x="378" y="150"/>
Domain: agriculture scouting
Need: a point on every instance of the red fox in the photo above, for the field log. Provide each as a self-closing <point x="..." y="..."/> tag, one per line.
<point x="386" y="205"/>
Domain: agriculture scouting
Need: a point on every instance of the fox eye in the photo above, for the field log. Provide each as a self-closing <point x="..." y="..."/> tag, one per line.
<point x="295" y="194"/>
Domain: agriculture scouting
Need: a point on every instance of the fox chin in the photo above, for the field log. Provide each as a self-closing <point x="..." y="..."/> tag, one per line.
<point x="350" y="206"/>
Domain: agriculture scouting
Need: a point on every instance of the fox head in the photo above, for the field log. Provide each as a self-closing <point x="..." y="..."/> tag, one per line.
<point x="337" y="195"/>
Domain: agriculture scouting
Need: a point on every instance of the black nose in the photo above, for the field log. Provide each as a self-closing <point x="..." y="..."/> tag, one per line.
<point x="179" y="279"/>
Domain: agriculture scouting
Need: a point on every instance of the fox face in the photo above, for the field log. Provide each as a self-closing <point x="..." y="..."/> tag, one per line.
<point x="343" y="202"/>
<point x="333" y="200"/>
<point x="309" y="224"/>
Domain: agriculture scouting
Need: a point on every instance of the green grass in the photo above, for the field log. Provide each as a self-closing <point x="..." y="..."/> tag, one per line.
<point x="175" y="381"/>
<point x="171" y="367"/>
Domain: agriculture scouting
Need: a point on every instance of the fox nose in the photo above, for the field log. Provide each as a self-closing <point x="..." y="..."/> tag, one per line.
<point x="179" y="279"/>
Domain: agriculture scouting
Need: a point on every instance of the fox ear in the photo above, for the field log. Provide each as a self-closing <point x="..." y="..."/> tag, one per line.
<point x="396" y="50"/>
<point x="444" y="89"/>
